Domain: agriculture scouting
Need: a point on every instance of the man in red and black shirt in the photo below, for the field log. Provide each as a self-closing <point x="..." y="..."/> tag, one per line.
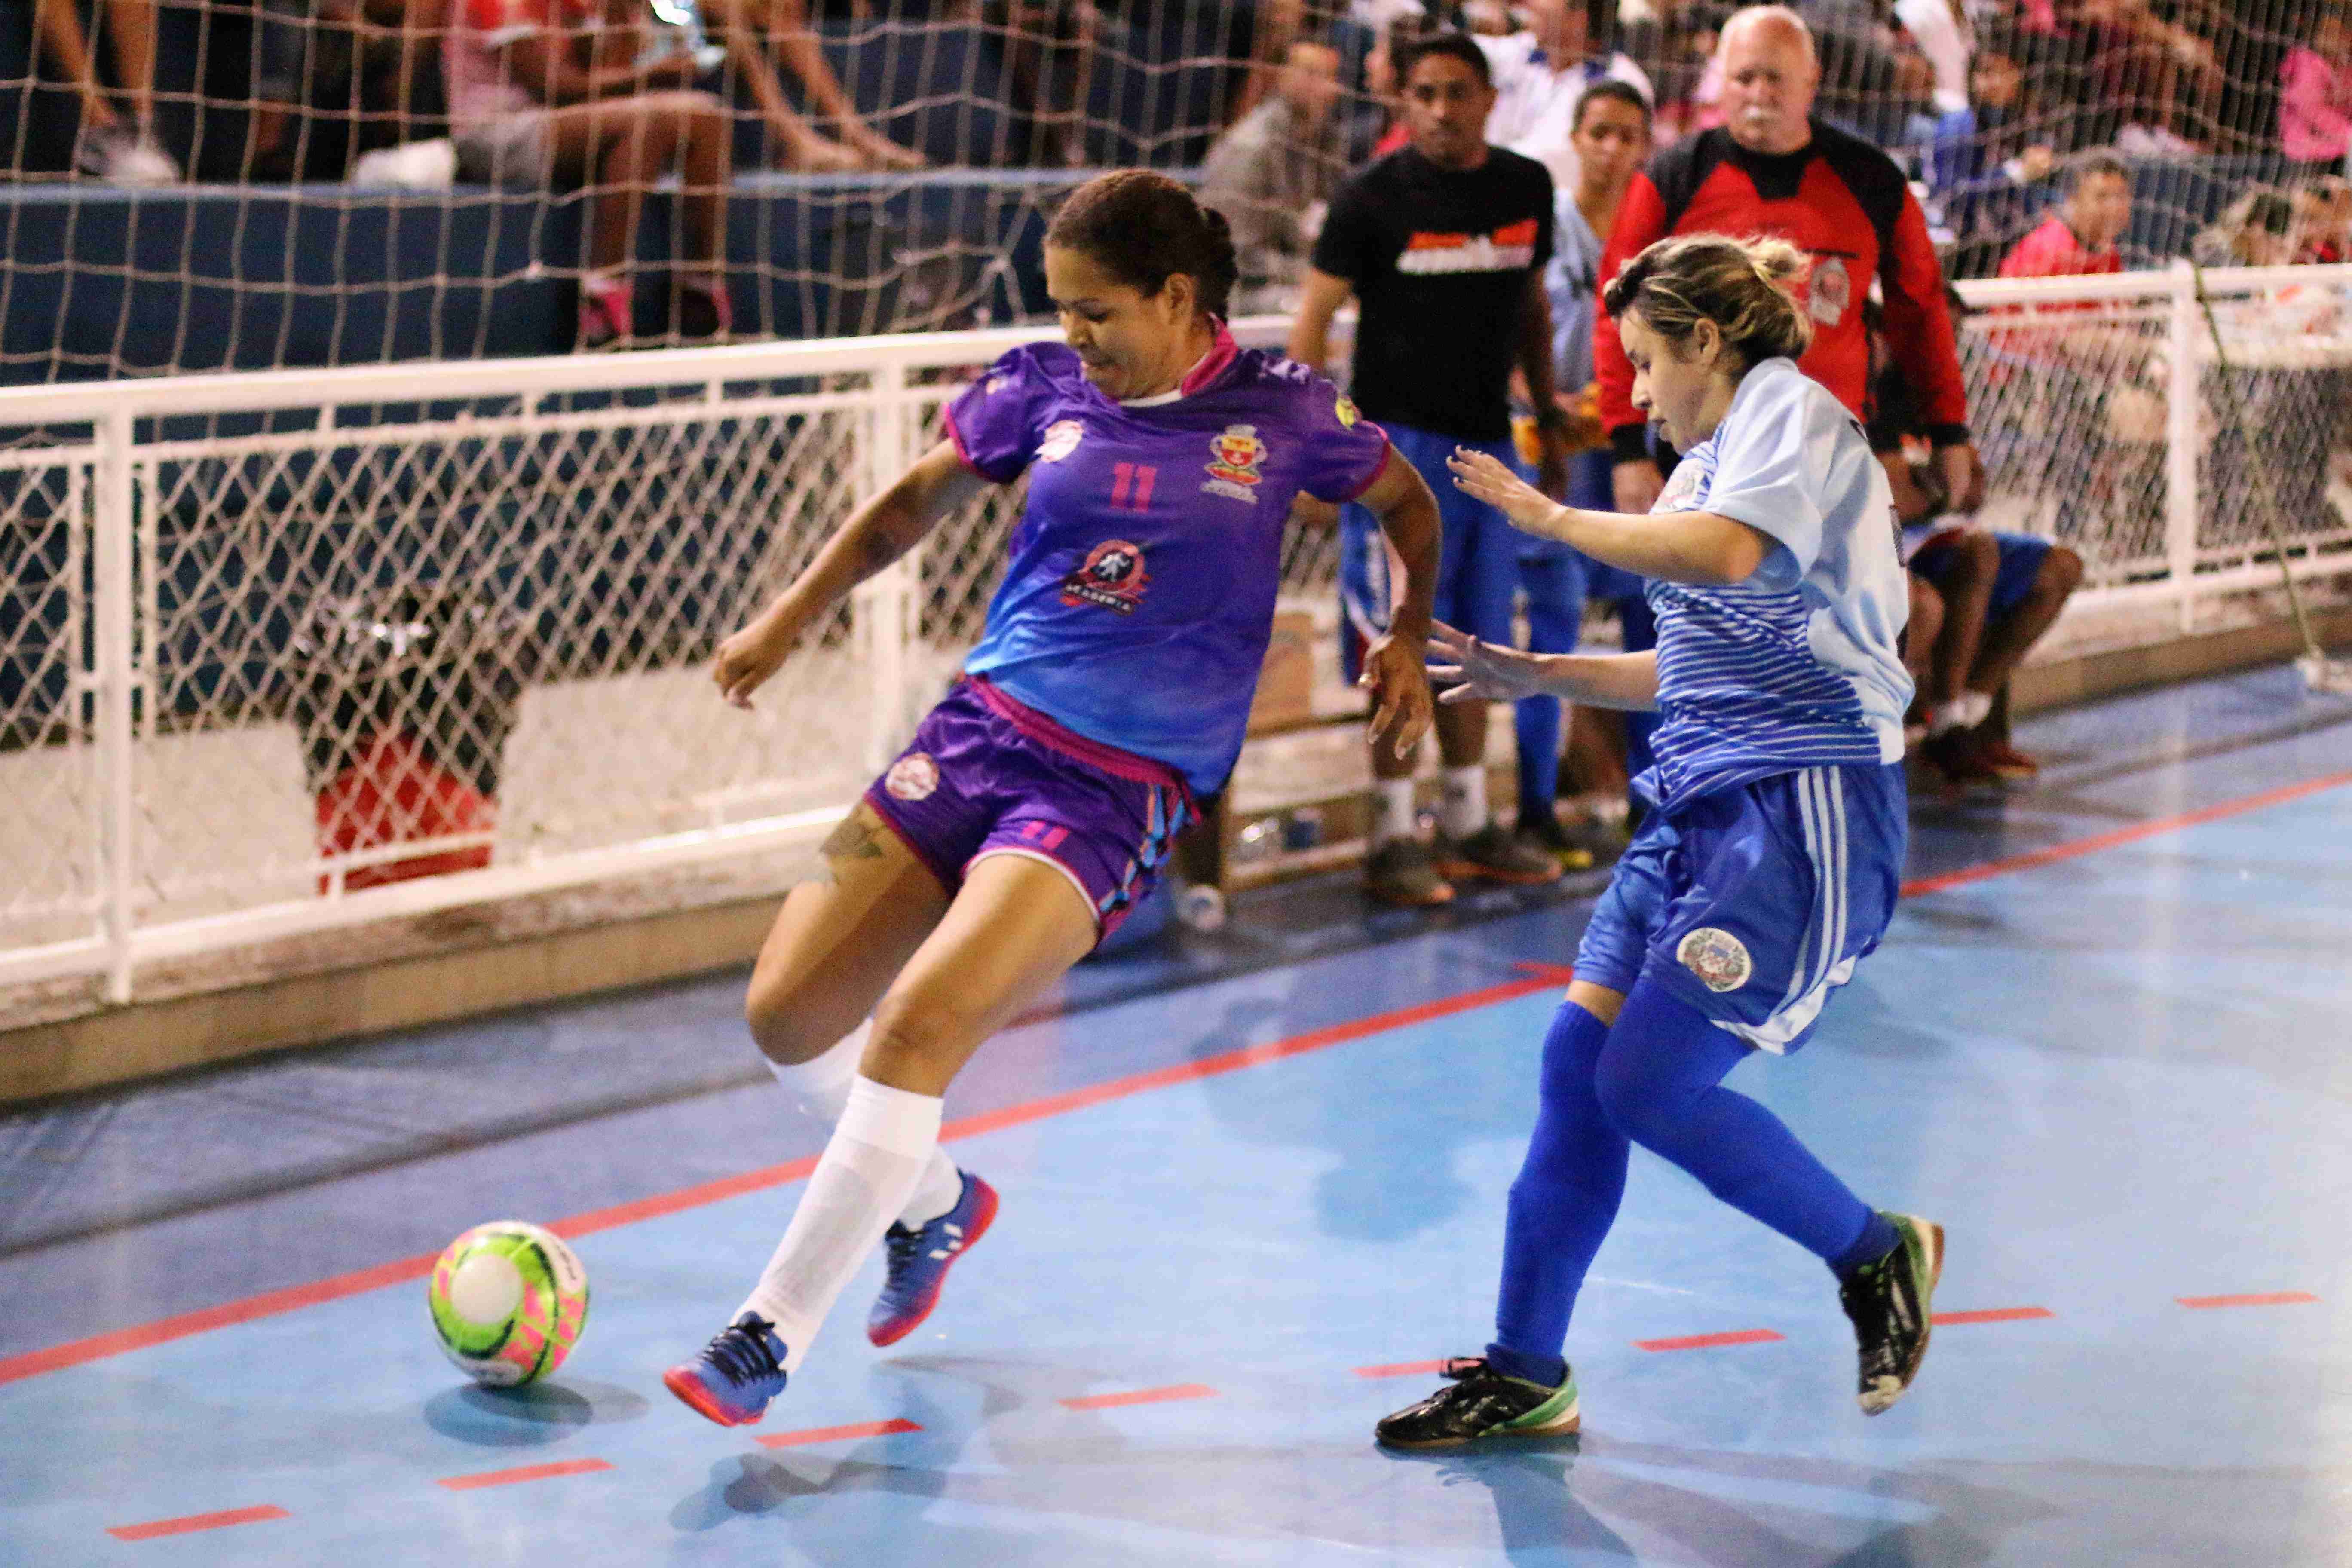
<point x="1773" y="169"/>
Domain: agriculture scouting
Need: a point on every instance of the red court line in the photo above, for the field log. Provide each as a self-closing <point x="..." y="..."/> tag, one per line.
<point x="481" y="1479"/>
<point x="1141" y="1396"/>
<point x="1709" y="1341"/>
<point x="1992" y="1315"/>
<point x="1401" y="1369"/>
<point x="193" y="1522"/>
<point x="2267" y="1298"/>
<point x="835" y="1433"/>
<point x="2139" y="830"/>
<point x="75" y="1352"/>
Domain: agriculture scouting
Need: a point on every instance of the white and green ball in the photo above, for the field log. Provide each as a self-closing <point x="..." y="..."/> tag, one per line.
<point x="509" y="1302"/>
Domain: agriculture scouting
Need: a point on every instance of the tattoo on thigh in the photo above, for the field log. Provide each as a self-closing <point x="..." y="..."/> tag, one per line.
<point x="854" y="839"/>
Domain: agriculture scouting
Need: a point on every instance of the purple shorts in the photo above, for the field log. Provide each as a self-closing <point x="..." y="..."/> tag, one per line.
<point x="985" y="775"/>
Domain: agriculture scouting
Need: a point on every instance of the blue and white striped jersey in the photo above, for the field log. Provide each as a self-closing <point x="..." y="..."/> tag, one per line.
<point x="1797" y="667"/>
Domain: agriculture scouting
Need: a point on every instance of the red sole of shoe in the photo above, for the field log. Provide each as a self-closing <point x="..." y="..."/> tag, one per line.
<point x="980" y="1224"/>
<point x="697" y="1398"/>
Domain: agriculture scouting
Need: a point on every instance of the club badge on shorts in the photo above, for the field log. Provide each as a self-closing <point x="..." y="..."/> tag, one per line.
<point x="912" y="777"/>
<point x="1719" y="958"/>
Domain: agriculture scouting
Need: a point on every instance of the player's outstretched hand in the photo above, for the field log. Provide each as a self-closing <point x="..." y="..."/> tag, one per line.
<point x="1480" y="671"/>
<point x="1482" y="475"/>
<point x="746" y="659"/>
<point x="1401" y="706"/>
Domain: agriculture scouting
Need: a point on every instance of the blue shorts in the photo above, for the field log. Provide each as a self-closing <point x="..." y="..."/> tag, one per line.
<point x="1753" y="903"/>
<point x="2021" y="556"/>
<point x="1478" y="569"/>
<point x="987" y="775"/>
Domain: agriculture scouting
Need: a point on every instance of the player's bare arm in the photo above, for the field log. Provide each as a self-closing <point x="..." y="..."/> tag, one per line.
<point x="1310" y="330"/>
<point x="1696" y="547"/>
<point x="1393" y="670"/>
<point x="1535" y="369"/>
<point x="1472" y="670"/>
<point x="878" y="534"/>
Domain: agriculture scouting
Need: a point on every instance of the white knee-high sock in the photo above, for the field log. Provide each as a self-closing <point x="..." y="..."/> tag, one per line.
<point x="820" y="1086"/>
<point x="876" y="1153"/>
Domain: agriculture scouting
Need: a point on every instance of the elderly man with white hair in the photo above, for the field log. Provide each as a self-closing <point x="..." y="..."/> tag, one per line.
<point x="1772" y="168"/>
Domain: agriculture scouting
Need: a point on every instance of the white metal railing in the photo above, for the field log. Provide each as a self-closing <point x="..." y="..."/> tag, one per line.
<point x="625" y="512"/>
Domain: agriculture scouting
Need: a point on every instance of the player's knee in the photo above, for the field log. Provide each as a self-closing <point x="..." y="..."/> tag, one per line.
<point x="793" y="1022"/>
<point x="915" y="1039"/>
<point x="2062" y="570"/>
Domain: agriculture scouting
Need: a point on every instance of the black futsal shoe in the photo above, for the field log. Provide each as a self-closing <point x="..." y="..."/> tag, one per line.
<point x="1892" y="1304"/>
<point x="1480" y="1401"/>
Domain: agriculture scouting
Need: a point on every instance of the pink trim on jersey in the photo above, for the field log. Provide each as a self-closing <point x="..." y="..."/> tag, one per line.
<point x="955" y="437"/>
<point x="1213" y="364"/>
<point x="1387" y="456"/>
<point x="1046" y="730"/>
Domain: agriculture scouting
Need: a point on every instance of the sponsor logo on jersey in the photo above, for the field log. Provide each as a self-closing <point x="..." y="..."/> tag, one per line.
<point x="997" y="384"/>
<point x="1235" y="455"/>
<point x="1829" y="290"/>
<point x="912" y="777"/>
<point x="1060" y="440"/>
<point x="1719" y="958"/>
<point x="1112" y="577"/>
<point x="1508" y="249"/>
<point x="1345" y="412"/>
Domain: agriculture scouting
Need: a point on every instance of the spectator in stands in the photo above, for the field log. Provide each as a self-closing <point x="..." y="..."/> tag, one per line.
<point x="584" y="91"/>
<point x="1541" y="74"/>
<point x="2079" y="238"/>
<point x="1980" y="598"/>
<point x="1945" y="36"/>
<point x="2315" y="111"/>
<point x="1393" y="41"/>
<point x="1773" y="168"/>
<point x="2149" y="85"/>
<point x="1049" y="57"/>
<point x="2255" y="230"/>
<point x="1611" y="138"/>
<point x="1443" y="246"/>
<point x="1873" y="80"/>
<point x="122" y="150"/>
<point x="2323" y="221"/>
<point x="754" y="33"/>
<point x="338" y="78"/>
<point x="1985" y="159"/>
<point x="1272" y="175"/>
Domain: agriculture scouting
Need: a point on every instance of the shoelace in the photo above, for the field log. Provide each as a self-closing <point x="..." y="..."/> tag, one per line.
<point x="741" y="1354"/>
<point x="902" y="1243"/>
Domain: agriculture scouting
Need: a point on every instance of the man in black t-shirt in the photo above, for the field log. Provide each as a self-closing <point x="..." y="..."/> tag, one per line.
<point x="1443" y="245"/>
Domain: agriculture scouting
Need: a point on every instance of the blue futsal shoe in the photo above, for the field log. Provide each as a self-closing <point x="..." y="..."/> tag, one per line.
<point x="736" y="1374"/>
<point x="919" y="1258"/>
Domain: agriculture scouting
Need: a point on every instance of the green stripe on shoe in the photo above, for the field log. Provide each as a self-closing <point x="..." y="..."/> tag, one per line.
<point x="1559" y="1407"/>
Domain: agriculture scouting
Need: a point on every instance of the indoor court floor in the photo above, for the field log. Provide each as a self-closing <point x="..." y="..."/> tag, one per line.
<point x="1252" y="1191"/>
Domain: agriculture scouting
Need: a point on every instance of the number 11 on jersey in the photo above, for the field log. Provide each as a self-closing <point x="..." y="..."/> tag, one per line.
<point x="1130" y="487"/>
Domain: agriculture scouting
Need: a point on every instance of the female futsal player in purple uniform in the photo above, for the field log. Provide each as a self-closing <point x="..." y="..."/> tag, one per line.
<point x="1037" y="804"/>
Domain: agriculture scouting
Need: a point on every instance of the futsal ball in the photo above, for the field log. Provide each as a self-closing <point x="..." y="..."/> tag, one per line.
<point x="509" y="1302"/>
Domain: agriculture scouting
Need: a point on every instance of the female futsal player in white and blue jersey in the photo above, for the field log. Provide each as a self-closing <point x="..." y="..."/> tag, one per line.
<point x="1769" y="861"/>
<point x="1038" y="802"/>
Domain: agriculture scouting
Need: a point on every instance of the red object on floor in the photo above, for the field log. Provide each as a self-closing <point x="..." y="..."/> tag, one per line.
<point x="193" y="1522"/>
<point x="481" y="1479"/>
<point x="395" y="794"/>
<point x="1141" y="1396"/>
<point x="1709" y="1341"/>
<point x="1993" y="1315"/>
<point x="836" y="1434"/>
<point x="2265" y="1299"/>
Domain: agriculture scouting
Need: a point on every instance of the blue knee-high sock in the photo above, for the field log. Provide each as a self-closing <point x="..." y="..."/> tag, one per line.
<point x="1561" y="1206"/>
<point x="1658" y="1081"/>
<point x="1535" y="726"/>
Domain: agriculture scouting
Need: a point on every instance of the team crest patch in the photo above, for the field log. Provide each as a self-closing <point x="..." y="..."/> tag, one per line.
<point x="1235" y="455"/>
<point x="1719" y="958"/>
<point x="912" y="777"/>
<point x="1112" y="578"/>
<point x="1061" y="439"/>
<point x="1828" y="291"/>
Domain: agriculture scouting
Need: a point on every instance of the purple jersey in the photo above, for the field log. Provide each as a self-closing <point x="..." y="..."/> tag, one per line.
<point x="1139" y="598"/>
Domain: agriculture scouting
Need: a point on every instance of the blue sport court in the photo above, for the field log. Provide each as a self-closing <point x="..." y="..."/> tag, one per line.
<point x="1253" y="1191"/>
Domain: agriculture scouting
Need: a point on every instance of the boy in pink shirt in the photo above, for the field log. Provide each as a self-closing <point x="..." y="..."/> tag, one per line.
<point x="2316" y="98"/>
